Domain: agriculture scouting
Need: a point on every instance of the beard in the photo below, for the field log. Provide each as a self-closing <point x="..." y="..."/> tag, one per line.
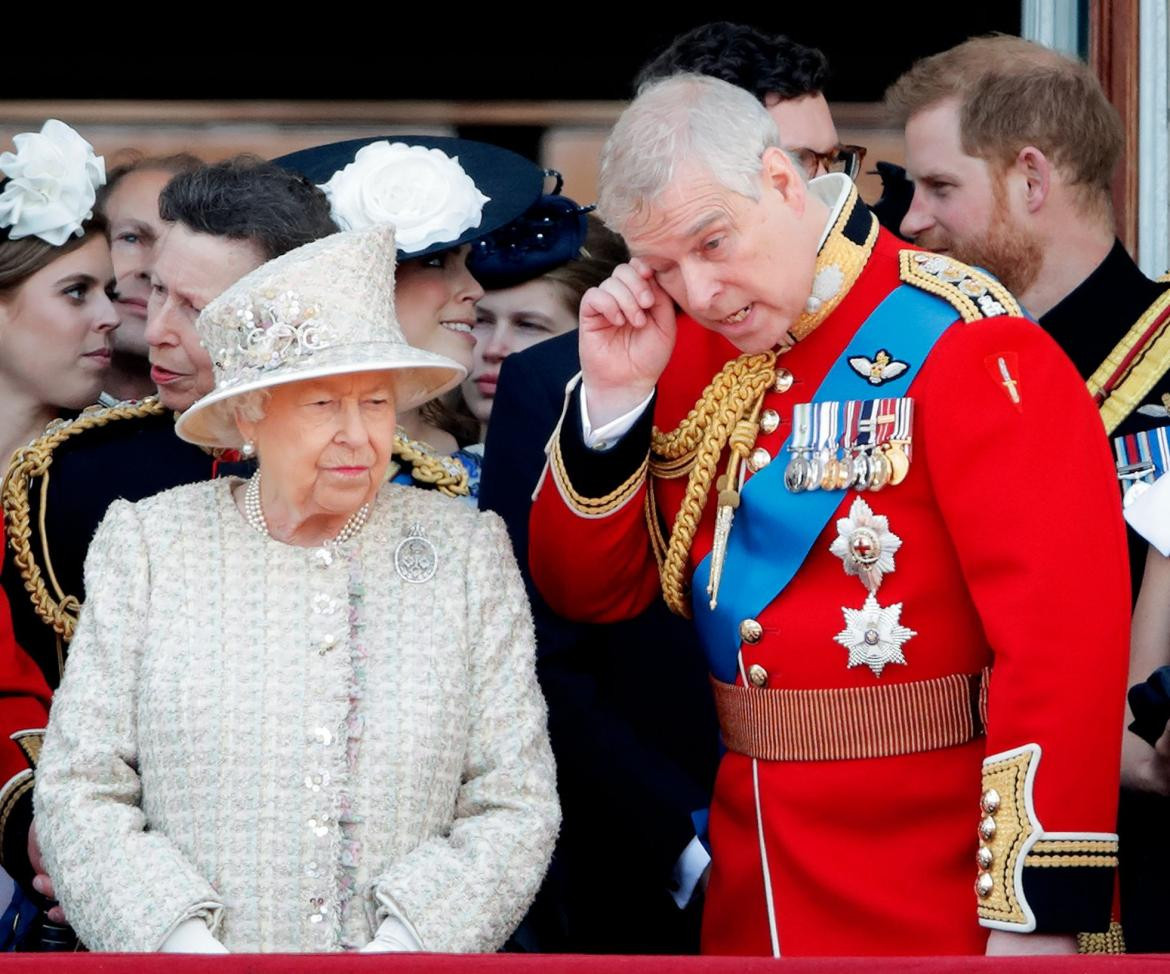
<point x="1007" y="249"/>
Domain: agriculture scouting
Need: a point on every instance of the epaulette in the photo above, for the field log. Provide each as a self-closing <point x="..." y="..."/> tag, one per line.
<point x="973" y="293"/>
<point x="55" y="607"/>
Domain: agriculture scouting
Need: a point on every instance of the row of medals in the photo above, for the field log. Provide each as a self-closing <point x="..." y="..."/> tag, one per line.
<point x="861" y="468"/>
<point x="853" y="465"/>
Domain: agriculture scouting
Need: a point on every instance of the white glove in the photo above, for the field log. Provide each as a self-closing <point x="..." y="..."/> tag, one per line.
<point x="392" y="935"/>
<point x="192" y="937"/>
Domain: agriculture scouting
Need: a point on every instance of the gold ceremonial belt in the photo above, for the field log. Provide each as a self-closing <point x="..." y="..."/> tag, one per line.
<point x="862" y="722"/>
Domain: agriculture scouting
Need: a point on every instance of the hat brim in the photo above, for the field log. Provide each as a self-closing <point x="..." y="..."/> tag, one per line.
<point x="420" y="376"/>
<point x="511" y="182"/>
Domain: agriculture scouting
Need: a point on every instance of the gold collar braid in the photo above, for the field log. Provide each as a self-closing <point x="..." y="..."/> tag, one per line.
<point x="727" y="412"/>
<point x="839" y="263"/>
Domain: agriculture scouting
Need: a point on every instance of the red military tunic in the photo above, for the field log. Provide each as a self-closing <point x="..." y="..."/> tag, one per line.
<point x="1012" y="557"/>
<point x="24" y="710"/>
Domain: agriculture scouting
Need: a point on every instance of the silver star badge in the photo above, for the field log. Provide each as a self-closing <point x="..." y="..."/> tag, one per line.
<point x="865" y="544"/>
<point x="874" y="636"/>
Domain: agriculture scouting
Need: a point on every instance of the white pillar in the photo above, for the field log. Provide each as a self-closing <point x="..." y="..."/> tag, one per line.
<point x="1154" y="138"/>
<point x="1052" y="23"/>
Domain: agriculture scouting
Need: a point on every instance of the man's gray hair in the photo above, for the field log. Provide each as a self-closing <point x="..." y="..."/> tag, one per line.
<point x="688" y="118"/>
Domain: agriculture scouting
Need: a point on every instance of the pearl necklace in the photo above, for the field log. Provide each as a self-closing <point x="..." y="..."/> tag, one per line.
<point x="254" y="515"/>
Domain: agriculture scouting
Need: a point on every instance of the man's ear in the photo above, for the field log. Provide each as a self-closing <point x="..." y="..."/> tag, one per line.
<point x="1036" y="171"/>
<point x="779" y="173"/>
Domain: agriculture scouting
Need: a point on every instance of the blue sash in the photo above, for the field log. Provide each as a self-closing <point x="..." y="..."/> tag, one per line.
<point x="773" y="529"/>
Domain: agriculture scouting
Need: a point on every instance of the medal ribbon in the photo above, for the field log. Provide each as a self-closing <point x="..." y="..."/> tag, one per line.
<point x="884" y="420"/>
<point x="852" y="432"/>
<point x="867" y="424"/>
<point x="905" y="424"/>
<point x="1143" y="456"/>
<point x="802" y="427"/>
<point x="828" y="418"/>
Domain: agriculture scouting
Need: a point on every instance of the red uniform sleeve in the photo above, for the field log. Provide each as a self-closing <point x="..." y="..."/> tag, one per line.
<point x="1020" y="467"/>
<point x="589" y="546"/>
<point x="24" y="711"/>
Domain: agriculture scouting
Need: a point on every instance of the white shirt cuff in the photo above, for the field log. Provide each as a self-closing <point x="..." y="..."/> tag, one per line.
<point x="606" y="436"/>
<point x="192" y="937"/>
<point x="1149" y="515"/>
<point x="688" y="870"/>
<point x="393" y="936"/>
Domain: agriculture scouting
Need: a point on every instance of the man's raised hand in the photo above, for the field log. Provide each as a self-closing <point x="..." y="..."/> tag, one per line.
<point x="627" y="335"/>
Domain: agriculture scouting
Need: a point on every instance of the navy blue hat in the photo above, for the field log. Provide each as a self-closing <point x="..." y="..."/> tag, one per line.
<point x="548" y="234"/>
<point x="510" y="183"/>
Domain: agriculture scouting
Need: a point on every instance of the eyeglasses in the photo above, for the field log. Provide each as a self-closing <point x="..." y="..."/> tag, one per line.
<point x="840" y="158"/>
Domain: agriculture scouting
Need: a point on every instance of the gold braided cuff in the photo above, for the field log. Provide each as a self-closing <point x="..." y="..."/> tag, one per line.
<point x="13" y="792"/>
<point x="1007" y="830"/>
<point x="1112" y="941"/>
<point x="1028" y="879"/>
<point x="594" y="507"/>
<point x="29" y="742"/>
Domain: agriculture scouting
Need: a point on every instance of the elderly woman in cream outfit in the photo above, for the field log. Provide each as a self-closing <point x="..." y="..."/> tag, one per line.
<point x="300" y="712"/>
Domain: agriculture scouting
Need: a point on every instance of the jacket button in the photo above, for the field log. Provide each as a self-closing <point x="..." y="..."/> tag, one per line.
<point x="759" y="459"/>
<point x="783" y="381"/>
<point x="757" y="675"/>
<point x="984" y="885"/>
<point x="987" y="829"/>
<point x="984" y="858"/>
<point x="769" y="421"/>
<point x="750" y="631"/>
<point x="990" y="801"/>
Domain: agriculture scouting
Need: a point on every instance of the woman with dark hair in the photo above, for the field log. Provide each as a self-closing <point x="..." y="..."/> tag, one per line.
<point x="129" y="204"/>
<point x="56" y="316"/>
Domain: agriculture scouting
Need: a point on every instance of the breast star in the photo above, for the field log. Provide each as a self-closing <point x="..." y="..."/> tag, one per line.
<point x="865" y="544"/>
<point x="874" y="636"/>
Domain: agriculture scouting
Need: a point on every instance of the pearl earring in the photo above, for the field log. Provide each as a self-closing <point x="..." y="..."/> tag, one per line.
<point x="248" y="450"/>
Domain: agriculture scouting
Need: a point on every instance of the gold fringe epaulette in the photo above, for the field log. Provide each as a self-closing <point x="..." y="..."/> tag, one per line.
<point x="972" y="293"/>
<point x="58" y="609"/>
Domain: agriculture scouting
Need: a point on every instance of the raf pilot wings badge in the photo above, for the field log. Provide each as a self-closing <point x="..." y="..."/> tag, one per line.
<point x="882" y="368"/>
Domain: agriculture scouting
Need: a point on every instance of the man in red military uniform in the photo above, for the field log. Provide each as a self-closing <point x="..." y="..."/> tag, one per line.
<point x="898" y="554"/>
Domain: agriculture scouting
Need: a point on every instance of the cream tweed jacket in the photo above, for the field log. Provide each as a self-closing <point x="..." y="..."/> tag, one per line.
<point x="294" y="744"/>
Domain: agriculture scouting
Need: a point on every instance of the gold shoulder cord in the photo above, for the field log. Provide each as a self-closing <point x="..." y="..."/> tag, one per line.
<point x="427" y="467"/>
<point x="727" y="411"/>
<point x="58" y="610"/>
